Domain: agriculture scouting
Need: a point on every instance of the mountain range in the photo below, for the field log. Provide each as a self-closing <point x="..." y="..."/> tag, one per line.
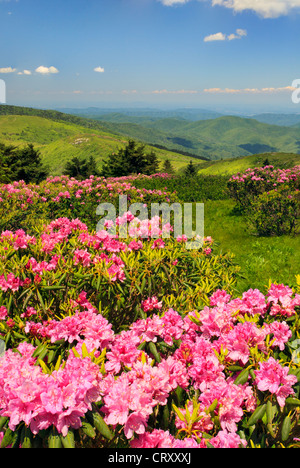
<point x="179" y="135"/>
<point x="204" y="133"/>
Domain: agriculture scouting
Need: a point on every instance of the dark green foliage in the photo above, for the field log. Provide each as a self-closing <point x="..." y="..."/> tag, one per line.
<point x="190" y="170"/>
<point x="21" y="164"/>
<point x="196" y="189"/>
<point x="130" y="160"/>
<point x="275" y="213"/>
<point x="81" y="168"/>
<point x="266" y="162"/>
<point x="152" y="163"/>
<point x="167" y="167"/>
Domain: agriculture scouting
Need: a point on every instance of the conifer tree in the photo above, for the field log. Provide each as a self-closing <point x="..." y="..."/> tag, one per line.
<point x="167" y="167"/>
<point x="190" y="170"/>
<point x="130" y="160"/>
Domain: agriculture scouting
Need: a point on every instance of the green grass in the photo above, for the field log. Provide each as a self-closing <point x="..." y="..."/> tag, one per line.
<point x="261" y="258"/>
<point x="232" y="166"/>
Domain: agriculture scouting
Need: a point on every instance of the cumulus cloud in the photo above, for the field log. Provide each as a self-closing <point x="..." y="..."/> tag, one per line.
<point x="215" y="37"/>
<point x="99" y="70"/>
<point x="264" y="8"/>
<point x="46" y="70"/>
<point x="25" y="72"/>
<point x="8" y="70"/>
<point x="223" y="37"/>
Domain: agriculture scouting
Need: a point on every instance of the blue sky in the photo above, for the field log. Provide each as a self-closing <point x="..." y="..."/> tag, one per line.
<point x="201" y="53"/>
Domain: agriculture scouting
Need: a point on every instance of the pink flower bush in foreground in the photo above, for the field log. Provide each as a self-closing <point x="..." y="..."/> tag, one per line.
<point x="190" y="365"/>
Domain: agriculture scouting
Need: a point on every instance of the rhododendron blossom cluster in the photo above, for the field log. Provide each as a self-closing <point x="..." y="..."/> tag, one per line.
<point x="141" y="370"/>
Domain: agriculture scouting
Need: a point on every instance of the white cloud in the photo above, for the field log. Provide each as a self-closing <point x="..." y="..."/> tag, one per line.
<point x="239" y="34"/>
<point x="180" y="91"/>
<point x="46" y="70"/>
<point x="25" y="72"/>
<point x="8" y="70"/>
<point x="249" y="90"/>
<point x="223" y="37"/>
<point x="173" y="2"/>
<point x="99" y="70"/>
<point x="264" y="8"/>
<point x="215" y="37"/>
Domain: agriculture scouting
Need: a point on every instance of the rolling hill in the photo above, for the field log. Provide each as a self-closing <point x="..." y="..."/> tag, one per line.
<point x="60" y="141"/>
<point x="215" y="138"/>
<point x="232" y="166"/>
<point x="228" y="143"/>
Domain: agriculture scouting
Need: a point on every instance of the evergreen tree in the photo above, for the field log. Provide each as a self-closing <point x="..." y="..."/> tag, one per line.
<point x="92" y="167"/>
<point x="130" y="160"/>
<point x="82" y="168"/>
<point x="21" y="164"/>
<point x="167" y="167"/>
<point x="152" y="164"/>
<point x="190" y="170"/>
<point x="5" y="170"/>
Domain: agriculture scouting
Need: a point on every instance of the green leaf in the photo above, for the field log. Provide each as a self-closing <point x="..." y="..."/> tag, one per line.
<point x="286" y="428"/>
<point x="88" y="429"/>
<point x="69" y="440"/>
<point x="7" y="438"/>
<point x="54" y="440"/>
<point x="154" y="351"/>
<point x="257" y="415"/>
<point x="242" y="377"/>
<point x="100" y="424"/>
<point x="26" y="438"/>
<point x="293" y="401"/>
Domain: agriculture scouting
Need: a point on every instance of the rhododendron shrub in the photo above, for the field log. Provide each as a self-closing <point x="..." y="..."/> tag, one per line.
<point x="275" y="213"/>
<point x="246" y="187"/>
<point x="269" y="198"/>
<point x="42" y="276"/>
<point x="225" y="376"/>
<point x="25" y="205"/>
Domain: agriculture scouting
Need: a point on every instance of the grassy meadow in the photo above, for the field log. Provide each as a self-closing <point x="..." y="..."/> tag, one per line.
<point x="260" y="258"/>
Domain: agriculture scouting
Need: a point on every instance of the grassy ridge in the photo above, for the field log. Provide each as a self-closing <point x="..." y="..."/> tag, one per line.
<point x="232" y="166"/>
<point x="222" y="137"/>
<point x="59" y="141"/>
<point x="217" y="138"/>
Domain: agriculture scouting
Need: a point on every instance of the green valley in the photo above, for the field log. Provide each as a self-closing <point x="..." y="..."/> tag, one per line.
<point x="215" y="137"/>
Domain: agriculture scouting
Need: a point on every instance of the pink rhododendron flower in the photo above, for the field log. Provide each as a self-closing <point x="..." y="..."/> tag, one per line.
<point x="3" y="313"/>
<point x="226" y="439"/>
<point x="151" y="303"/>
<point x="273" y="377"/>
<point x="281" y="333"/>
